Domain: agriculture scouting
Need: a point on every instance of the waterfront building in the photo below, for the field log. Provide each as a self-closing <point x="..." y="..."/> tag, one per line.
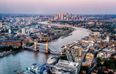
<point x="78" y="51"/>
<point x="89" y="56"/>
<point x="17" y="43"/>
<point x="66" y="67"/>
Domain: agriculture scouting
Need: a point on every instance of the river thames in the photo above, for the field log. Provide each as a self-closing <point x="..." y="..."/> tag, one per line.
<point x="23" y="59"/>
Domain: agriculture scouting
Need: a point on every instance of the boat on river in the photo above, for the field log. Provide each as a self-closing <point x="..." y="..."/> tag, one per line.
<point x="52" y="60"/>
<point x="34" y="69"/>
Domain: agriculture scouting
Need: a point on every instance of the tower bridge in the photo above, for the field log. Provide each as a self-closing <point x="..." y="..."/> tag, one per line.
<point x="46" y="49"/>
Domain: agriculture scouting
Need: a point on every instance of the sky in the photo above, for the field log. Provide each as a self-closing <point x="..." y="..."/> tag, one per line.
<point x="58" y="6"/>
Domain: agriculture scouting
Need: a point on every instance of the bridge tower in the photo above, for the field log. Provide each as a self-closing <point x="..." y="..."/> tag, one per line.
<point x="36" y="45"/>
<point x="46" y="47"/>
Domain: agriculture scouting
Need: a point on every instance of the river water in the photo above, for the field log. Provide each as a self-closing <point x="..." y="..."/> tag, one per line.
<point x="21" y="60"/>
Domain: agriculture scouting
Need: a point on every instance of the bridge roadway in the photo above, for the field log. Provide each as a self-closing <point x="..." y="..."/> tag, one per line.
<point x="42" y="50"/>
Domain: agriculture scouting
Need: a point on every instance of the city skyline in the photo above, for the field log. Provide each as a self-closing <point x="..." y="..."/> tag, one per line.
<point x="57" y="36"/>
<point x="57" y="6"/>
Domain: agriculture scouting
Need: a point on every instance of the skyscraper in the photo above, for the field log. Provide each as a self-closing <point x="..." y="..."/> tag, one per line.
<point x="9" y="31"/>
<point x="23" y="31"/>
<point x="0" y="24"/>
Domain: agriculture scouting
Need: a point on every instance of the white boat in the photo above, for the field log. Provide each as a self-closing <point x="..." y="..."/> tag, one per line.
<point x="34" y="68"/>
<point x="52" y="60"/>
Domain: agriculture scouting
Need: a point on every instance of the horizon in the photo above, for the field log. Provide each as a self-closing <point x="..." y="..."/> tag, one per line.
<point x="49" y="14"/>
<point x="81" y="7"/>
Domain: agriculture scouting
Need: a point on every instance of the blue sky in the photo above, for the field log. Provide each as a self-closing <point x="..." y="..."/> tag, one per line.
<point x="56" y="6"/>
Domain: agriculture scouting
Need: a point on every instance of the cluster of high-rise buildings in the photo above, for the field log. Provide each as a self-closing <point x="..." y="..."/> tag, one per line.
<point x="67" y="17"/>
